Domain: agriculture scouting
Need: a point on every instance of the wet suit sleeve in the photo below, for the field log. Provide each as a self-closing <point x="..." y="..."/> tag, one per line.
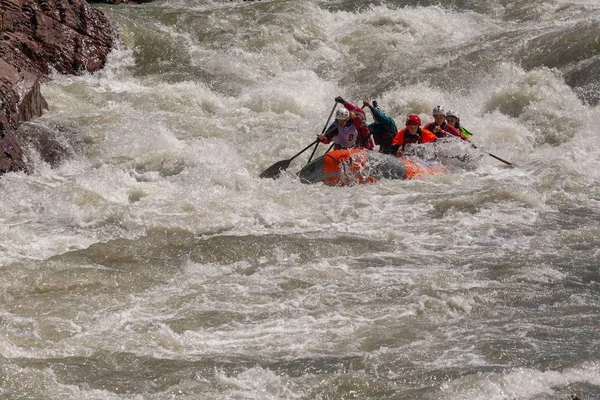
<point x="330" y="133"/>
<point x="387" y="123"/>
<point x="352" y="107"/>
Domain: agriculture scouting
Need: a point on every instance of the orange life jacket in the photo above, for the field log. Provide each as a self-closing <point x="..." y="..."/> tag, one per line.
<point x="422" y="136"/>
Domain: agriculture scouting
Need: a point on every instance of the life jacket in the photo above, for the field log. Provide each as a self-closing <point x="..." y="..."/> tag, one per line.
<point x="465" y="132"/>
<point x="441" y="133"/>
<point x="422" y="136"/>
<point x="411" y="139"/>
<point x="445" y="129"/>
<point x="346" y="136"/>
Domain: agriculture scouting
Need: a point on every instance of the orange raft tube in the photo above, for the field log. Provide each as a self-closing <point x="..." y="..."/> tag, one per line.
<point x="348" y="167"/>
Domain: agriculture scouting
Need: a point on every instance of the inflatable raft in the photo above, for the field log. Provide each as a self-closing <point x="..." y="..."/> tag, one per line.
<point x="348" y="167"/>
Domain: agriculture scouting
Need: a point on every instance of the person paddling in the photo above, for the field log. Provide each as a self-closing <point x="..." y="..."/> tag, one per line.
<point x="440" y="127"/>
<point x="349" y="129"/>
<point x="411" y="134"/>
<point x="383" y="128"/>
<point x="453" y="119"/>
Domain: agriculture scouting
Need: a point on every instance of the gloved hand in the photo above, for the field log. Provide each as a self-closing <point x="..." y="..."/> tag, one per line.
<point x="366" y="103"/>
<point x="339" y="99"/>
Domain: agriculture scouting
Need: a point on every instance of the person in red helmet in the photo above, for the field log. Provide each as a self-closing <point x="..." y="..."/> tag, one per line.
<point x="440" y="127"/>
<point x="411" y="134"/>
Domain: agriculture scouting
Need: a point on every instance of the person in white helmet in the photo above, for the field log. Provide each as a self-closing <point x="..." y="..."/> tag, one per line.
<point x="440" y="127"/>
<point x="349" y="129"/>
<point x="453" y="119"/>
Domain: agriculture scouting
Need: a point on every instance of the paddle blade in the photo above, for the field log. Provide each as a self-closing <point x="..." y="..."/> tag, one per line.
<point x="274" y="170"/>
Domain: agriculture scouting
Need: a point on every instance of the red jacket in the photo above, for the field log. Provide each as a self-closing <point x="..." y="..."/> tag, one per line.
<point x="446" y="129"/>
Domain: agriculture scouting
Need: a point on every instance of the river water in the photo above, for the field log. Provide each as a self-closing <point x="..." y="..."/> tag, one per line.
<point x="154" y="263"/>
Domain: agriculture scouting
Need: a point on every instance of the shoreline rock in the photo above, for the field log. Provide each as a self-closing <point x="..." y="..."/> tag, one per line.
<point x="36" y="35"/>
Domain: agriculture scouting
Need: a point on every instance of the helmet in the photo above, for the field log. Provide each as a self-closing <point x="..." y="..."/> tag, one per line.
<point x="413" y="119"/>
<point x="452" y="113"/>
<point x="438" y="110"/>
<point x="376" y="106"/>
<point x="342" y="114"/>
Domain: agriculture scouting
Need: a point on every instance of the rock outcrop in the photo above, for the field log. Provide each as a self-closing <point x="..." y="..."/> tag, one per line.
<point x="36" y="35"/>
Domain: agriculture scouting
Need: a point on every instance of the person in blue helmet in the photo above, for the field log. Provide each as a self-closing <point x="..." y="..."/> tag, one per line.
<point x="383" y="128"/>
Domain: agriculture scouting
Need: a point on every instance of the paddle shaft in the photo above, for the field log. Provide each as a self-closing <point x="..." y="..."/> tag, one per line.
<point x="496" y="157"/>
<point x="306" y="148"/>
<point x="499" y="159"/>
<point x="275" y="170"/>
<point x="324" y="128"/>
<point x="489" y="154"/>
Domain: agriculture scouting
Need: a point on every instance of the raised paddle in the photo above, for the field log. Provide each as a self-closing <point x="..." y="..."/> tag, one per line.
<point x="274" y="170"/>
<point x="323" y="131"/>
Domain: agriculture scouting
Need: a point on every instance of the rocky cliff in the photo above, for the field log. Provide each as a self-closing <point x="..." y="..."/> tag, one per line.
<point x="36" y="35"/>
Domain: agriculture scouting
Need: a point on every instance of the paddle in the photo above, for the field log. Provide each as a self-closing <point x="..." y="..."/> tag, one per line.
<point x="496" y="157"/>
<point x="489" y="154"/>
<point x="324" y="128"/>
<point x="274" y="170"/>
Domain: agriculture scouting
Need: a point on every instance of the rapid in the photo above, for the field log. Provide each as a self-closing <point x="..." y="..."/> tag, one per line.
<point x="154" y="263"/>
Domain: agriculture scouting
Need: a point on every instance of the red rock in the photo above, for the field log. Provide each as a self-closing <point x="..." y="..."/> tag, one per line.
<point x="36" y="35"/>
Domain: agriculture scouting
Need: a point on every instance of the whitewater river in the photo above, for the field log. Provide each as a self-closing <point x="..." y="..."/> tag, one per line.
<point x="155" y="264"/>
